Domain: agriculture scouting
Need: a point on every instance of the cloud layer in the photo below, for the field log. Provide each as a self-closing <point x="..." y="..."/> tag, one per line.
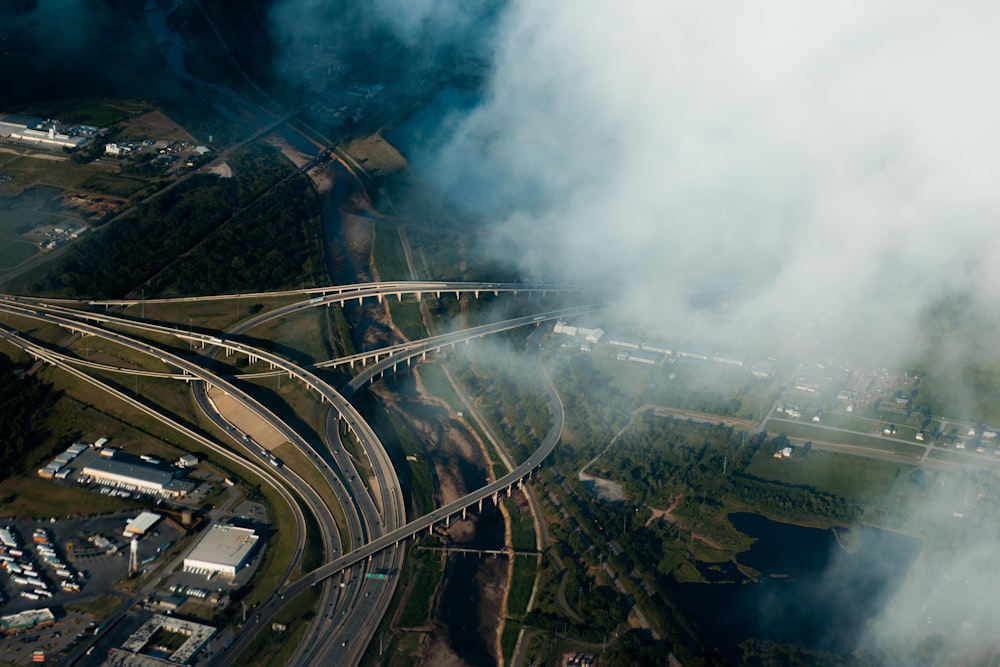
<point x="835" y="162"/>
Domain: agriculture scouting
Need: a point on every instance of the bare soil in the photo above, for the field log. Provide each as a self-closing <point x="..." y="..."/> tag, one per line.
<point x="245" y="420"/>
<point x="157" y="125"/>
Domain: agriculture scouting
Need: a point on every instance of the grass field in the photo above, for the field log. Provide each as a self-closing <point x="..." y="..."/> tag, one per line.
<point x="522" y="526"/>
<point x="298" y="462"/>
<point x="16" y="221"/>
<point x="100" y="608"/>
<point x="77" y="110"/>
<point x="271" y="647"/>
<point x="32" y="497"/>
<point x="436" y="383"/>
<point x="841" y="474"/>
<point x="60" y="173"/>
<point x="300" y="336"/>
<point x="214" y="314"/>
<point x="387" y="253"/>
<point x="819" y="433"/>
<point x="418" y="604"/>
<point x="522" y="581"/>
<point x="406" y="315"/>
<point x="15" y="251"/>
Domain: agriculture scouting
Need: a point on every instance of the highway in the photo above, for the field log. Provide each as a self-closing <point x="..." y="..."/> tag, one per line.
<point x="355" y="498"/>
<point x="389" y="511"/>
<point x="322" y="513"/>
<point x="346" y="616"/>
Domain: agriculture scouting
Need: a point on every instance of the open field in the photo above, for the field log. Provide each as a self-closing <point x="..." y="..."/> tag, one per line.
<point x="83" y="110"/>
<point x="154" y="125"/>
<point x="810" y="431"/>
<point x="428" y="577"/>
<point x="32" y="497"/>
<point x="387" y="253"/>
<point x="245" y="420"/>
<point x="15" y="251"/>
<point x="297" y="461"/>
<point x="407" y="317"/>
<point x="60" y="173"/>
<point x="271" y="647"/>
<point x="299" y="336"/>
<point x="376" y="155"/>
<point x="215" y="314"/>
<point x="840" y="474"/>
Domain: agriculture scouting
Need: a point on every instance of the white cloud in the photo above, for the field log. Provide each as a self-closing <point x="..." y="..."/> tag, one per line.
<point x="838" y="159"/>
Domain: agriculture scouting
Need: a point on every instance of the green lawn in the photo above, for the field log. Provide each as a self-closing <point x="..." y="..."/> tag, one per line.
<point x="418" y="604"/>
<point x="841" y="474"/>
<point x="820" y="433"/>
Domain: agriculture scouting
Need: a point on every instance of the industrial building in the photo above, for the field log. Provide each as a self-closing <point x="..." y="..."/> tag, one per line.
<point x="26" y="620"/>
<point x="139" y="525"/>
<point x="224" y="549"/>
<point x="134" y="476"/>
<point x="28" y="129"/>
<point x="187" y="461"/>
<point x="198" y="634"/>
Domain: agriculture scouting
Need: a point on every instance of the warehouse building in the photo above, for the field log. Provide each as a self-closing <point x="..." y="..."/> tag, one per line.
<point x="197" y="635"/>
<point x="134" y="477"/>
<point x="27" y="129"/>
<point x="140" y="525"/>
<point x="223" y="549"/>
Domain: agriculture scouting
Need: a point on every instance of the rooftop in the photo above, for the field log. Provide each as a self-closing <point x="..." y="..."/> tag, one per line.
<point x="147" y="474"/>
<point x="224" y="545"/>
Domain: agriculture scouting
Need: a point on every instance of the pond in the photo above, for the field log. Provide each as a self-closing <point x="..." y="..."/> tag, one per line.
<point x="811" y="591"/>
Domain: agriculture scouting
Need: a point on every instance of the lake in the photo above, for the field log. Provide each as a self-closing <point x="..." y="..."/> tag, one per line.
<point x="811" y="592"/>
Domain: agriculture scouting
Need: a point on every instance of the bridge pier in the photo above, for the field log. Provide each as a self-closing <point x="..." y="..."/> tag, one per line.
<point x="463" y="513"/>
<point x="480" y="505"/>
<point x="380" y="297"/>
<point x="476" y="293"/>
<point x="447" y="521"/>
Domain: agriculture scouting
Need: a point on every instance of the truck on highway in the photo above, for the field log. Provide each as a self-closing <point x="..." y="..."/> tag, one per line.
<point x="275" y="461"/>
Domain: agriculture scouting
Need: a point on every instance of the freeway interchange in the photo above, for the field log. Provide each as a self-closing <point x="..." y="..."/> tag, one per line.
<point x="350" y="608"/>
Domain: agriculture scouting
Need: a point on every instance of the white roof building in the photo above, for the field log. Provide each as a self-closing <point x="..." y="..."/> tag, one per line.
<point x="133" y="475"/>
<point x="223" y="549"/>
<point x="187" y="461"/>
<point x="142" y="523"/>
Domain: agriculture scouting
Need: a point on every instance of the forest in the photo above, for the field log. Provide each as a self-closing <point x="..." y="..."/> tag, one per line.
<point x="254" y="232"/>
<point x="24" y="399"/>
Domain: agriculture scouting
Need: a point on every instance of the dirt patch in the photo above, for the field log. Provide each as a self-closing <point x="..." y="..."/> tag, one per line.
<point x="157" y="125"/>
<point x="668" y="516"/>
<point x="376" y="155"/>
<point x="223" y="170"/>
<point x="604" y="489"/>
<point x="245" y="420"/>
